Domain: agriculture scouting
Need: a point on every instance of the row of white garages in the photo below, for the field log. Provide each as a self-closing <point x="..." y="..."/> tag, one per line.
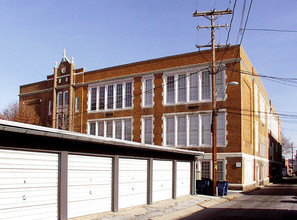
<point x="29" y="183"/>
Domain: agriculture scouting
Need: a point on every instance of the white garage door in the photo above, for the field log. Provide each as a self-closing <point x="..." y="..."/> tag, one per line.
<point x="132" y="182"/>
<point x="183" y="179"/>
<point x="162" y="180"/>
<point x="28" y="185"/>
<point x="89" y="185"/>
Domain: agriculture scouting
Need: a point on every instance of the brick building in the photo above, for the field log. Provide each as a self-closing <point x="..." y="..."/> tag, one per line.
<point x="167" y="102"/>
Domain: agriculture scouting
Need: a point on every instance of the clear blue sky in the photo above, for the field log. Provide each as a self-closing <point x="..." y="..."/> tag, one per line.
<point x="103" y="33"/>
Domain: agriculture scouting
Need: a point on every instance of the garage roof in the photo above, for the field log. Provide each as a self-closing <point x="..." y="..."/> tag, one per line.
<point x="57" y="133"/>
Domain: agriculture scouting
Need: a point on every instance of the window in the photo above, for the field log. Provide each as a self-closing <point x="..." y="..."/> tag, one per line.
<point x="101" y="128"/>
<point x="128" y="99"/>
<point x="220" y="87"/>
<point x="92" y="128"/>
<point x="119" y="96"/>
<point x="148" y="130"/>
<point x="170" y="131"/>
<point x="58" y="125"/>
<point x="262" y="108"/>
<point x="66" y="99"/>
<point x="128" y="129"/>
<point x="148" y="92"/>
<point x="205" y="168"/>
<point x="220" y="171"/>
<point x="109" y="129"/>
<point x="194" y="130"/>
<point x="221" y="129"/>
<point x="256" y="99"/>
<point x="194" y="90"/>
<point x="110" y="97"/>
<point x="50" y="107"/>
<point x="93" y="98"/>
<point x="206" y="136"/>
<point x="182" y="88"/>
<point x="60" y="100"/>
<point x="256" y="137"/>
<point x="77" y="104"/>
<point x="118" y="129"/>
<point x="102" y="97"/>
<point x="205" y="85"/>
<point x="192" y="87"/>
<point x="170" y="89"/>
<point x="181" y="131"/>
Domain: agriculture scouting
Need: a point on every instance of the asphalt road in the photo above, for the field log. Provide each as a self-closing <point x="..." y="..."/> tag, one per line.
<point x="277" y="201"/>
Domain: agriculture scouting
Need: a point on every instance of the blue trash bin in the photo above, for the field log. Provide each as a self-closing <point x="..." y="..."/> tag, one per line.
<point x="226" y="188"/>
<point x="221" y="188"/>
<point x="207" y="188"/>
<point x="199" y="187"/>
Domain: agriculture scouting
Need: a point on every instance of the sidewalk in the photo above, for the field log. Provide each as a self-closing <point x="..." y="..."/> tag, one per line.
<point x="167" y="209"/>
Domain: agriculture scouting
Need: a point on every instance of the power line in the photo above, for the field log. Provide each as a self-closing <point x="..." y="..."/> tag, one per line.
<point x="271" y="30"/>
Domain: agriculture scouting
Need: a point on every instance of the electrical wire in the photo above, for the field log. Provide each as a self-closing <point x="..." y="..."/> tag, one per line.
<point x="271" y="30"/>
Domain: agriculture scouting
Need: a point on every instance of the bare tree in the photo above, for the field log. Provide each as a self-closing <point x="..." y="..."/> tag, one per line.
<point x="26" y="114"/>
<point x="287" y="145"/>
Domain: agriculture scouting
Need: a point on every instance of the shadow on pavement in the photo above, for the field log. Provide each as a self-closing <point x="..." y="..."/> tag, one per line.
<point x="221" y="214"/>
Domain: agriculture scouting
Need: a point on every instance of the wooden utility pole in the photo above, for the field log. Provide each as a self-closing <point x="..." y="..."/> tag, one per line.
<point x="212" y="16"/>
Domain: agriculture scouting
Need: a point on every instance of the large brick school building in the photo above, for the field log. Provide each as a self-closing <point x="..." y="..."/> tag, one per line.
<point x="167" y="101"/>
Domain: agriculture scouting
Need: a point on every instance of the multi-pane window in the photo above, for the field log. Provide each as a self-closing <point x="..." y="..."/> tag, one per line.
<point x="148" y="92"/>
<point x="170" y="89"/>
<point x="128" y="99"/>
<point x="194" y="89"/>
<point x="128" y="129"/>
<point x="60" y="100"/>
<point x="205" y="126"/>
<point x="220" y="87"/>
<point x="50" y="107"/>
<point x="182" y="88"/>
<point x="148" y="130"/>
<point x="66" y="99"/>
<point x="220" y="171"/>
<point x="112" y="96"/>
<point x="92" y="128"/>
<point x="93" y="98"/>
<point x="205" y="169"/>
<point x="77" y="104"/>
<point x="256" y="99"/>
<point x="221" y="129"/>
<point x="205" y="85"/>
<point x="262" y="108"/>
<point x="170" y="131"/>
<point x="102" y="97"/>
<point x="256" y="137"/>
<point x="119" y="128"/>
<point x="194" y="130"/>
<point x="119" y="96"/>
<point x="182" y="131"/>
<point x="109" y="129"/>
<point x="100" y="128"/>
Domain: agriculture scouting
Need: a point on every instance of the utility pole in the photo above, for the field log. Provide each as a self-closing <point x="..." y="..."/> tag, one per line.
<point x="212" y="16"/>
